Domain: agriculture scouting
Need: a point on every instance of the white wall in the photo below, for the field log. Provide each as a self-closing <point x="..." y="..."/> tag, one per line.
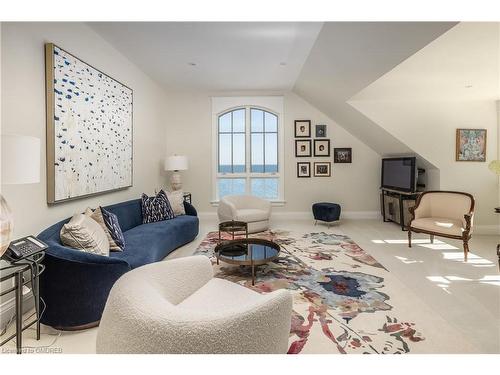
<point x="23" y="112"/>
<point x="429" y="128"/>
<point x="354" y="186"/>
<point x="451" y="83"/>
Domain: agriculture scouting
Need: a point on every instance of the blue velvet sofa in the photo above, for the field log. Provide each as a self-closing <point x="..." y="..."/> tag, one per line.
<point x="76" y="284"/>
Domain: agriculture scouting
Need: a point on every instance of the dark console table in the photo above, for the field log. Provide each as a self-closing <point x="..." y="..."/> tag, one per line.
<point x="395" y="206"/>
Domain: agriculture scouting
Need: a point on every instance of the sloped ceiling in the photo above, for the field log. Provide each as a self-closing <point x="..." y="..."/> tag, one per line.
<point x="349" y="56"/>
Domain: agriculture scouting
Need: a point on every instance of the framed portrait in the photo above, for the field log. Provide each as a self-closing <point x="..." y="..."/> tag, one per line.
<point x="342" y="155"/>
<point x="302" y="148"/>
<point x="89" y="129"/>
<point x="322" y="169"/>
<point x="302" y="128"/>
<point x="322" y="147"/>
<point x="471" y="145"/>
<point x="320" y="131"/>
<point x="303" y="169"/>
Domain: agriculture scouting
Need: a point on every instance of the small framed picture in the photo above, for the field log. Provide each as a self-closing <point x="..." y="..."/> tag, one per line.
<point x="303" y="169"/>
<point x="302" y="148"/>
<point x="322" y="169"/>
<point x="322" y="147"/>
<point x="302" y="128"/>
<point x="471" y="145"/>
<point x="342" y="155"/>
<point x="320" y="131"/>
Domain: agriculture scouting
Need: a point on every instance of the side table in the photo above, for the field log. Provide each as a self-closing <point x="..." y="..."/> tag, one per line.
<point x="233" y="227"/>
<point x="16" y="270"/>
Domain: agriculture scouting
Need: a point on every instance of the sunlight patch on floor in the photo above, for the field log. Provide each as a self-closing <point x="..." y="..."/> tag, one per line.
<point x="407" y="260"/>
<point x="473" y="259"/>
<point x="444" y="282"/>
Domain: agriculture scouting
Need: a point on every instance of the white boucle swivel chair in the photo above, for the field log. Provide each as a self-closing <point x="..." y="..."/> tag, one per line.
<point x="177" y="306"/>
<point x="252" y="210"/>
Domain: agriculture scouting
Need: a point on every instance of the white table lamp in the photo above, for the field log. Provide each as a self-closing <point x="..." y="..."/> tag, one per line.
<point x="20" y="165"/>
<point x="176" y="163"/>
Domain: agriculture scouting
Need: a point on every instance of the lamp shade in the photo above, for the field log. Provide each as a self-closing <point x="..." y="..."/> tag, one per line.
<point x="176" y="163"/>
<point x="20" y="159"/>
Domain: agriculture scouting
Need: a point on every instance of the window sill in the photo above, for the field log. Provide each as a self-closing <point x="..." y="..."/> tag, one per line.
<point x="275" y="203"/>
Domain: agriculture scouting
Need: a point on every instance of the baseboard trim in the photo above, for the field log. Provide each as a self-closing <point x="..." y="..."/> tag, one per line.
<point x="490" y="230"/>
<point x="305" y="215"/>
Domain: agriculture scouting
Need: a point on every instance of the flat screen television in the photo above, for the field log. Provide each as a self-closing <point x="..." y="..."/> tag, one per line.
<point x="400" y="174"/>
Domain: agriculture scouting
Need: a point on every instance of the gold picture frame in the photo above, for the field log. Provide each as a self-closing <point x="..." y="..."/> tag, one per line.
<point x="471" y="145"/>
<point x="73" y="131"/>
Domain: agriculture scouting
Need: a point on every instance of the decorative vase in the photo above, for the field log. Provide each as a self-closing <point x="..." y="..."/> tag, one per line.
<point x="6" y="225"/>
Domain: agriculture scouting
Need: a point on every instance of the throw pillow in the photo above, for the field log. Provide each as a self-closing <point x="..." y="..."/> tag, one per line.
<point x="84" y="233"/>
<point x="114" y="228"/>
<point x="98" y="216"/>
<point x="156" y="208"/>
<point x="176" y="199"/>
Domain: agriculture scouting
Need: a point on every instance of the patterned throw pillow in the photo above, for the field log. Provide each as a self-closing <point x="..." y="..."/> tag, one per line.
<point x="156" y="208"/>
<point x="111" y="221"/>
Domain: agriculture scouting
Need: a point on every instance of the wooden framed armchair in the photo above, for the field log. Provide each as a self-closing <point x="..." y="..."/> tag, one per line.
<point x="443" y="213"/>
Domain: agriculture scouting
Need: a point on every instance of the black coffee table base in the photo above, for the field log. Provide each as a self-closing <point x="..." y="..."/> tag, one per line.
<point x="251" y="252"/>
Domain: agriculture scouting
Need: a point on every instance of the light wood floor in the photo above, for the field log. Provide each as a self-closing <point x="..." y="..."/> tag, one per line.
<point x="467" y="295"/>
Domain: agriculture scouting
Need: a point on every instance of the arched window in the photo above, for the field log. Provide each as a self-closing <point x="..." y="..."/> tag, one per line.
<point x="248" y="153"/>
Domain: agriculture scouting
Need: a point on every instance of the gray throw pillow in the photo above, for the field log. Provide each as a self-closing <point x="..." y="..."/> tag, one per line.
<point x="84" y="233"/>
<point x="176" y="199"/>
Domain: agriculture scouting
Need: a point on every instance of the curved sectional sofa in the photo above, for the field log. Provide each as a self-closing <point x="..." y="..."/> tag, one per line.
<point x="76" y="284"/>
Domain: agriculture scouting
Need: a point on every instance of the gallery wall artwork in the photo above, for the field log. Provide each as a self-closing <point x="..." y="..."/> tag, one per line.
<point x="89" y="129"/>
<point x="302" y="128"/>
<point x="303" y="169"/>
<point x="471" y="145"/>
<point x="342" y="155"/>
<point x="322" y="169"/>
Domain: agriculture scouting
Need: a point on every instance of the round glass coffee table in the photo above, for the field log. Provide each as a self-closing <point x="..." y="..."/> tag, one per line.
<point x="247" y="252"/>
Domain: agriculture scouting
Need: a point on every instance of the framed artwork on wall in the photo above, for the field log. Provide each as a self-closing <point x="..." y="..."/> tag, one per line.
<point x="322" y="147"/>
<point x="302" y="128"/>
<point x="302" y="148"/>
<point x="320" y="131"/>
<point x="303" y="169"/>
<point x="322" y="169"/>
<point x="342" y="155"/>
<point x="471" y="145"/>
<point x="89" y="129"/>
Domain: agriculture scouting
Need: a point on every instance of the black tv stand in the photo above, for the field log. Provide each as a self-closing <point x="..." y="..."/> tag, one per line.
<point x="395" y="206"/>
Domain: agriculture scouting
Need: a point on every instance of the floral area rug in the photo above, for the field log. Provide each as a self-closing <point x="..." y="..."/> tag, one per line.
<point x="344" y="300"/>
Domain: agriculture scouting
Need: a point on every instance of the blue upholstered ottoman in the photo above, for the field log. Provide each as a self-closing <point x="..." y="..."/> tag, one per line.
<point x="327" y="212"/>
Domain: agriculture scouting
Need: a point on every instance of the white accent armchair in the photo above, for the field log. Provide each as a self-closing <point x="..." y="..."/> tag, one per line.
<point x="443" y="213"/>
<point x="177" y="306"/>
<point x="252" y="210"/>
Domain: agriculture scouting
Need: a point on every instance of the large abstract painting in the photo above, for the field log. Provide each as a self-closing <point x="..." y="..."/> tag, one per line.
<point x="471" y="145"/>
<point x="89" y="129"/>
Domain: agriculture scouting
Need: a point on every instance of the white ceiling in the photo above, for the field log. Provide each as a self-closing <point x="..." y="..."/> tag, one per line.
<point x="229" y="56"/>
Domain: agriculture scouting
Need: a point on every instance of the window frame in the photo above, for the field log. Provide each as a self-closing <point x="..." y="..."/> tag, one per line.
<point x="248" y="175"/>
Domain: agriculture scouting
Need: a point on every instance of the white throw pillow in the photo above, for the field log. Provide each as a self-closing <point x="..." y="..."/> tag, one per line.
<point x="176" y="199"/>
<point x="84" y="233"/>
